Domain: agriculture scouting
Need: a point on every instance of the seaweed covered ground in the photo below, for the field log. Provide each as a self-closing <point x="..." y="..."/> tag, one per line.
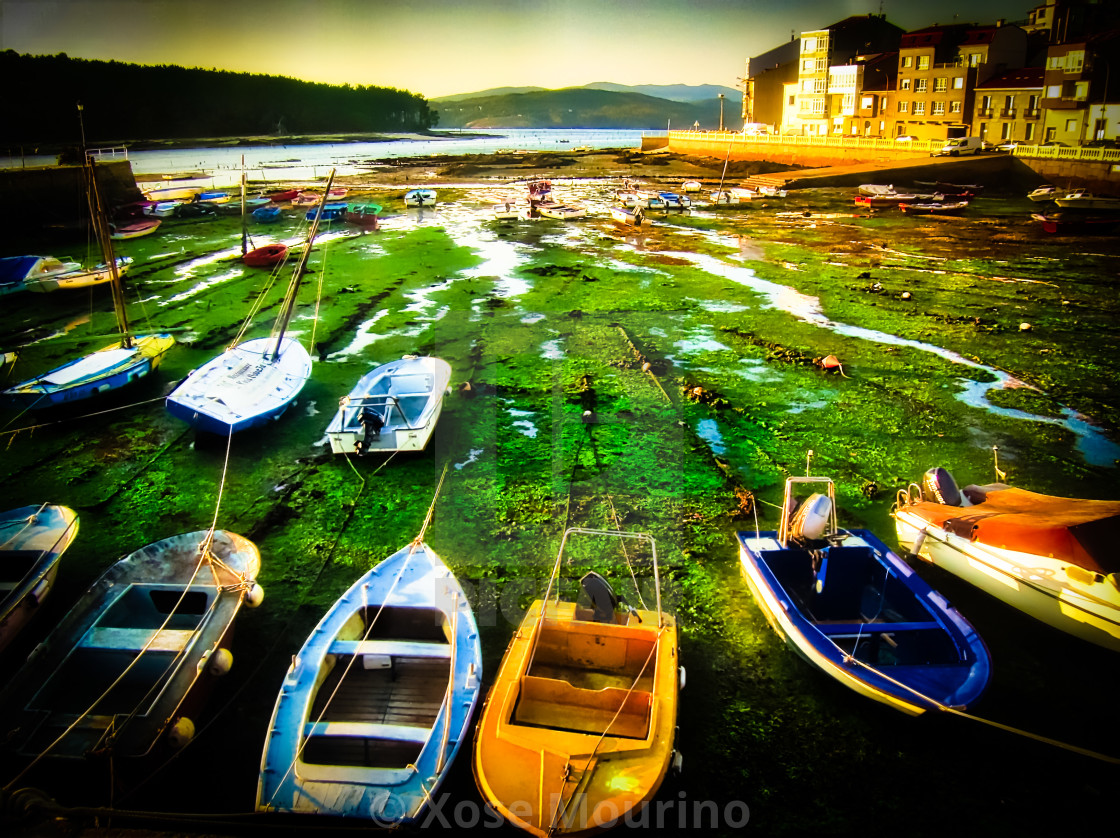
<point x="666" y="380"/>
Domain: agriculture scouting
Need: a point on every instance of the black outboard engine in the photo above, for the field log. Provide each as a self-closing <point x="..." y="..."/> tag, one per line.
<point x="372" y="423"/>
<point x="603" y="598"/>
<point x="938" y="486"/>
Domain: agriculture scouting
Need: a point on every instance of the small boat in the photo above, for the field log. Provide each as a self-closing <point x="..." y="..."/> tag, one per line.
<point x="874" y="189"/>
<point x="671" y="200"/>
<point x="15" y="271"/>
<point x="1077" y="223"/>
<point x="252" y="382"/>
<point x="648" y="200"/>
<point x="963" y="190"/>
<point x="934" y="208"/>
<point x="628" y="217"/>
<point x="32" y="540"/>
<point x="134" y="229"/>
<point x="255" y="203"/>
<point x="560" y="212"/>
<point x="540" y="191"/>
<point x="1048" y="192"/>
<point x="509" y="210"/>
<point x="266" y="214"/>
<point x="1082" y="199"/>
<point x="165" y="209"/>
<point x="894" y="199"/>
<point x="363" y="215"/>
<point x="214" y="197"/>
<point x="1053" y="558"/>
<point x="173" y="193"/>
<point x="380" y="698"/>
<point x="266" y="256"/>
<point x="127" y="670"/>
<point x="337" y="192"/>
<point x="283" y="196"/>
<point x="394" y="407"/>
<point x="307" y="199"/>
<point x="577" y="731"/>
<point x="765" y="190"/>
<point x="329" y="212"/>
<point x="75" y="276"/>
<point x="726" y="196"/>
<point x="196" y="209"/>
<point x="691" y="186"/>
<point x="847" y="604"/>
<point x="420" y="198"/>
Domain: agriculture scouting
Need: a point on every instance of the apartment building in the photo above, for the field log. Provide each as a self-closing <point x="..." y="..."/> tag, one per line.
<point x="1009" y="107"/>
<point x="875" y="91"/>
<point x="1077" y="102"/>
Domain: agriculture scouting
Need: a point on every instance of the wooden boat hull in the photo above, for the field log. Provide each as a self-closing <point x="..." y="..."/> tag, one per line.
<point x="135" y="229"/>
<point x="627" y="217"/>
<point x="541" y="758"/>
<point x="107" y="369"/>
<point x="917" y="651"/>
<point x="135" y="655"/>
<point x="1078" y="602"/>
<point x="266" y="256"/>
<point x="242" y="388"/>
<point x="379" y="699"/>
<point x="408" y="397"/>
<point x="32" y="541"/>
<point x="948" y="208"/>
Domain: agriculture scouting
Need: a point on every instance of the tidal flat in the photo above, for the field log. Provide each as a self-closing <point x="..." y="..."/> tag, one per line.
<point x="666" y="380"/>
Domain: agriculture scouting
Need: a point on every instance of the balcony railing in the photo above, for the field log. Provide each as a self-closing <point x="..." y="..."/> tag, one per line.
<point x="1031" y="113"/>
<point x="1007" y="113"/>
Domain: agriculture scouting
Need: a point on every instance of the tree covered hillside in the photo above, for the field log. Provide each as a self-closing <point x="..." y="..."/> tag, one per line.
<point x="134" y="102"/>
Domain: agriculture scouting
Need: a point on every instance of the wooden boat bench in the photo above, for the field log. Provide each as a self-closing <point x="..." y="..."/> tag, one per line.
<point x="393" y="648"/>
<point x="550" y="702"/>
<point x="133" y="639"/>
<point x="839" y="629"/>
<point x="368" y="730"/>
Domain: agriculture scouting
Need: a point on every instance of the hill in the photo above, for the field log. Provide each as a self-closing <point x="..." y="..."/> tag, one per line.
<point x="577" y="107"/>
<point x="492" y="91"/>
<point x="673" y="92"/>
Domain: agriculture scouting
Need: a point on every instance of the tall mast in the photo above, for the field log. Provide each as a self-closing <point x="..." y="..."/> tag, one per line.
<point x="101" y="231"/>
<point x="293" y="286"/>
<point x="244" y="220"/>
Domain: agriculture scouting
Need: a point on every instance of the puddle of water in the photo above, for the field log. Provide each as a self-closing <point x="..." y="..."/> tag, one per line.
<point x="552" y="350"/>
<point x="521" y="421"/>
<point x="708" y="430"/>
<point x="206" y="284"/>
<point x="363" y="337"/>
<point x="472" y="457"/>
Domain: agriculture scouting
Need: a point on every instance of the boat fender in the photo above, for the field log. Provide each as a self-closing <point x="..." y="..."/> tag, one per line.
<point x="41" y="590"/>
<point x="677" y="763"/>
<point x="254" y="596"/>
<point x="938" y="486"/>
<point x="221" y="662"/>
<point x="181" y="732"/>
<point x="811" y="518"/>
<point x="919" y="540"/>
<point x="681" y="678"/>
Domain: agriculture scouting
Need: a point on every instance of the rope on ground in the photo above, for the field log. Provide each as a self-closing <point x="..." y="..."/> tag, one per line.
<point x="13" y="433"/>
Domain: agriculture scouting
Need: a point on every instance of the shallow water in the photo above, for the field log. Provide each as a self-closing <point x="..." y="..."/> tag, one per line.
<point x="552" y="325"/>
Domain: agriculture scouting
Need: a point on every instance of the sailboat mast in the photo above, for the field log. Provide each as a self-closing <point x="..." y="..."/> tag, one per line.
<point x="293" y="286"/>
<point x="244" y="220"/>
<point x="101" y="231"/>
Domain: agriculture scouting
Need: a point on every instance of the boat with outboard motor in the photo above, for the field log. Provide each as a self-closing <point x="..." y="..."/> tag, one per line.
<point x="851" y="607"/>
<point x="1053" y="558"/>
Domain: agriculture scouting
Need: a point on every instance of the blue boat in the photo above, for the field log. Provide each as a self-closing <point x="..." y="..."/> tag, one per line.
<point x="853" y="608"/>
<point x="267" y="213"/>
<point x="379" y="700"/>
<point x="330" y="212"/>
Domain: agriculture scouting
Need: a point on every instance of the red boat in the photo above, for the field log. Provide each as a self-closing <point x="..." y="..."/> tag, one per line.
<point x="281" y="197"/>
<point x="266" y="256"/>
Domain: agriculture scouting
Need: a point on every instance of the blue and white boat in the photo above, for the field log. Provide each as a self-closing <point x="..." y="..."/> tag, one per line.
<point x="330" y="212"/>
<point x="853" y="608"/>
<point x="673" y="200"/>
<point x="267" y="213"/>
<point x="420" y="198"/>
<point x="32" y="540"/>
<point x="380" y="698"/>
<point x="252" y="382"/>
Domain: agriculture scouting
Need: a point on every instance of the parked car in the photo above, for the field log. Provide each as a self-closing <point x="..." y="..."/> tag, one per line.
<point x="1054" y="144"/>
<point x="959" y="146"/>
<point x="1101" y="144"/>
<point x="905" y="138"/>
<point x="1009" y="145"/>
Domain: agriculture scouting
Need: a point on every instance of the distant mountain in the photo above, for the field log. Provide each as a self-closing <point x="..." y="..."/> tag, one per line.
<point x="493" y="91"/>
<point x="579" y="107"/>
<point x="674" y="92"/>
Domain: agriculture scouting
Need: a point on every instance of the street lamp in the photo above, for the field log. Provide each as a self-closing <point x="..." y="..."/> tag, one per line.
<point x="721" y="112"/>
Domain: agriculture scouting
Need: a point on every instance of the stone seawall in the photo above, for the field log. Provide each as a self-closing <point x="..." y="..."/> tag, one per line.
<point x="56" y="195"/>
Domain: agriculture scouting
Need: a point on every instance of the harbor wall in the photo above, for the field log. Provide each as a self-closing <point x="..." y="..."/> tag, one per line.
<point x="49" y="196"/>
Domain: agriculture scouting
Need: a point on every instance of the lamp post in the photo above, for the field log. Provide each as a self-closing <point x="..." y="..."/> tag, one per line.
<point x="721" y="112"/>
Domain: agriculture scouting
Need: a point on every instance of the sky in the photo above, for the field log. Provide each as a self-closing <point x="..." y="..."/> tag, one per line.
<point x="441" y="47"/>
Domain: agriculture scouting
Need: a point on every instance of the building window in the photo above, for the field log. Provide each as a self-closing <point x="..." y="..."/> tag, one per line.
<point x="1075" y="61"/>
<point x="1056" y="62"/>
<point x="904" y="85"/>
<point x="954" y="107"/>
<point x="807" y="65"/>
<point x="792" y="100"/>
<point x="921" y="85"/>
<point x="903" y="107"/>
<point x="958" y="83"/>
<point x="938" y="108"/>
<point x="882" y="126"/>
<point x="818" y="106"/>
<point x="1071" y="125"/>
<point x="923" y="62"/>
<point x="940" y="85"/>
<point x="820" y="65"/>
<point x="809" y="45"/>
<point x="1030" y="132"/>
<point x="1054" y="91"/>
<point x="1005" y="131"/>
<point x="907" y="61"/>
<point x="819" y="85"/>
<point x="866" y="102"/>
<point x="974" y="60"/>
<point x="919" y="108"/>
<point x="1033" y="104"/>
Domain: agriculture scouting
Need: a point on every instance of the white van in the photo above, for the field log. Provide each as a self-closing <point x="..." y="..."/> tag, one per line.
<point x="961" y="145"/>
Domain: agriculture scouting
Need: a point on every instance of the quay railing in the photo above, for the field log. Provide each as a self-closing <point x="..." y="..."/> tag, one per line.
<point x="100" y="155"/>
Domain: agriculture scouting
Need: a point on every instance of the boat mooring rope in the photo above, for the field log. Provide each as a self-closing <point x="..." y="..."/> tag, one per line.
<point x="15" y="432"/>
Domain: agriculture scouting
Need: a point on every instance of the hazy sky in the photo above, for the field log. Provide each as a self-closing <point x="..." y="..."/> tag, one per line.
<point x="439" y="47"/>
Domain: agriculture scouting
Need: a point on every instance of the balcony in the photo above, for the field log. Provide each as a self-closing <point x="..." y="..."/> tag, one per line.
<point x="984" y="113"/>
<point x="1007" y="113"/>
<point x="1032" y="113"/>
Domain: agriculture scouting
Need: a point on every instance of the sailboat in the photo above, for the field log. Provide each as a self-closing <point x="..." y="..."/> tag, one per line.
<point x="578" y="729"/>
<point x="253" y="382"/>
<point x="120" y="363"/>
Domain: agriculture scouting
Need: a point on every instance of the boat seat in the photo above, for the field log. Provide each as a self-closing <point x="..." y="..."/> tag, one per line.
<point x="552" y="703"/>
<point x="395" y="648"/>
<point x="133" y="639"/>
<point x="845" y="629"/>
<point x="368" y="730"/>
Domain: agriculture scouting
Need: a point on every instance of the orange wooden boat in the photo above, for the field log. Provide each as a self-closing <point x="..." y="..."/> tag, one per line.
<point x="578" y="729"/>
<point x="266" y="256"/>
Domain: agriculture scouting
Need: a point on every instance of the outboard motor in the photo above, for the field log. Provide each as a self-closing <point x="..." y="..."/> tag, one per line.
<point x="810" y="521"/>
<point x="938" y="486"/>
<point x="603" y="598"/>
<point x="372" y="423"/>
